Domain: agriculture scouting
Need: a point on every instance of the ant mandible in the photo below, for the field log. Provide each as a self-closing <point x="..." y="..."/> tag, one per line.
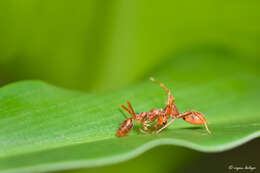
<point x="160" y="117"/>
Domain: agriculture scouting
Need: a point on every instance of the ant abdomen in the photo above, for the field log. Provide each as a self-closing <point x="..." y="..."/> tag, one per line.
<point x="125" y="127"/>
<point x="195" y="118"/>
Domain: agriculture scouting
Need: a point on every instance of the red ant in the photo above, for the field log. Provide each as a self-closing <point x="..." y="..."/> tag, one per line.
<point x="147" y="119"/>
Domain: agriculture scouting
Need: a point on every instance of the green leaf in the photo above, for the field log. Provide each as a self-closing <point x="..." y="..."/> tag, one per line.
<point x="45" y="128"/>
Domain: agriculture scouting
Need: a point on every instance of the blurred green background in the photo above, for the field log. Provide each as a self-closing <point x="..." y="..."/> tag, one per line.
<point x="98" y="45"/>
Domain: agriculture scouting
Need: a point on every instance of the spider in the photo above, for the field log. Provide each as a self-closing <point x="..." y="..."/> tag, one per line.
<point x="155" y="120"/>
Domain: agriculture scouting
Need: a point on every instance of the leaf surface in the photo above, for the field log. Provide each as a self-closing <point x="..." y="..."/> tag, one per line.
<point x="45" y="128"/>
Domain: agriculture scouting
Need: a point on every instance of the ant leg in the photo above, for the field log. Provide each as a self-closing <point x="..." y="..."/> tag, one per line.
<point x="125" y="109"/>
<point x="145" y="125"/>
<point x="131" y="111"/>
<point x="171" y="99"/>
<point x="157" y="131"/>
<point x="170" y="102"/>
<point x="161" y="84"/>
<point x="152" y="110"/>
<point x="201" y="117"/>
<point x="143" y="131"/>
<point x="160" y="122"/>
<point x="131" y="108"/>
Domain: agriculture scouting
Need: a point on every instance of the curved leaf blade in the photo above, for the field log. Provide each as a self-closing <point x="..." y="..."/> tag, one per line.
<point x="47" y="128"/>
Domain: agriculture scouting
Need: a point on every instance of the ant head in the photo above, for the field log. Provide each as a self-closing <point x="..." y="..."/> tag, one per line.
<point x="195" y="118"/>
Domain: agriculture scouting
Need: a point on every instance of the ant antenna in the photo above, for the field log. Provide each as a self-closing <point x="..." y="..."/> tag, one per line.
<point x="161" y="84"/>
